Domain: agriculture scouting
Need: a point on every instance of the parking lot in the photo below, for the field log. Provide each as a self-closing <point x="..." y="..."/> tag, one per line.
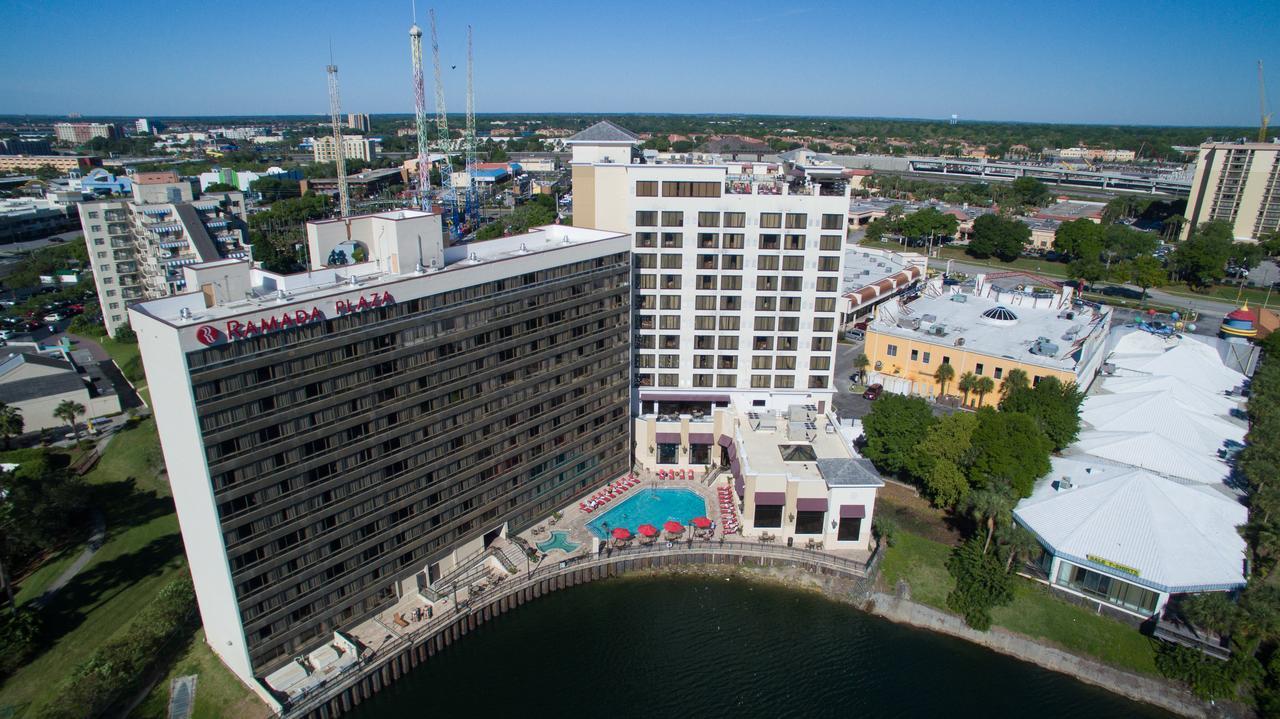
<point x="852" y="405"/>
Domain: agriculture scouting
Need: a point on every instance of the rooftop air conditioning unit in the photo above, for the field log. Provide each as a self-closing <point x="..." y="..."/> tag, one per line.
<point x="959" y="297"/>
<point x="959" y="342"/>
<point x="1064" y="484"/>
<point x="929" y="318"/>
<point x="909" y="323"/>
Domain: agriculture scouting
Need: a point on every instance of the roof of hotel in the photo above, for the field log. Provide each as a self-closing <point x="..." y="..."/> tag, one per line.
<point x="1173" y="536"/>
<point x="604" y="131"/>
<point x="156" y="178"/>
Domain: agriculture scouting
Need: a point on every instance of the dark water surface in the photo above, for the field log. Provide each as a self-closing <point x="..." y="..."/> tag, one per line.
<point x="707" y="647"/>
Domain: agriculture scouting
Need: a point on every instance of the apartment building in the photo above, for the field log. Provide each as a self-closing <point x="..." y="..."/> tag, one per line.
<point x="358" y="121"/>
<point x="340" y="437"/>
<point x="1239" y="183"/>
<point x="61" y="163"/>
<point x="737" y="270"/>
<point x="82" y="132"/>
<point x="138" y="246"/>
<point x="356" y="147"/>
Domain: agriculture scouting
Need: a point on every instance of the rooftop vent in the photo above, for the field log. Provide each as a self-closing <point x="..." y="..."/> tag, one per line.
<point x="1064" y="484"/>
<point x="184" y="313"/>
<point x="959" y="297"/>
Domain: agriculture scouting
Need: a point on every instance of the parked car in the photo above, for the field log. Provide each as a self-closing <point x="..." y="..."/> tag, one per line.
<point x="6" y="334"/>
<point x="873" y="392"/>
<point x="53" y="317"/>
<point x="856" y="335"/>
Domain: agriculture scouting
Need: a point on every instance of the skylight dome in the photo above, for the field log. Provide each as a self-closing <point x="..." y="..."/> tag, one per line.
<point x="1000" y="315"/>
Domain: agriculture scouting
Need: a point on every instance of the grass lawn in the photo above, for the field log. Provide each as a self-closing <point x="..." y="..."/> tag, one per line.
<point x="142" y="552"/>
<point x="1034" y="612"/>
<point x="32" y="586"/>
<point x="1231" y="293"/>
<point x="1047" y="268"/>
<point x="127" y="356"/>
<point x="218" y="692"/>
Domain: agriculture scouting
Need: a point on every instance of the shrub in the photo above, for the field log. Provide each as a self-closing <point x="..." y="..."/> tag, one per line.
<point x="981" y="584"/>
<point x="885" y="530"/>
<point x="19" y="638"/>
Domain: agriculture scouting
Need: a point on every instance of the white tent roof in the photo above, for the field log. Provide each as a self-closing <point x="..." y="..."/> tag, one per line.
<point x="1154" y="452"/>
<point x="1188" y="394"/>
<point x="1176" y="537"/>
<point x="1191" y="361"/>
<point x="1160" y="413"/>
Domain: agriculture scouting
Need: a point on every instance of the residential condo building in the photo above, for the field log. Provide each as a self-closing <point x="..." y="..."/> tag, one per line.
<point x="138" y="246"/>
<point x="340" y="437"/>
<point x="81" y="132"/>
<point x="1238" y="183"/>
<point x="358" y="121"/>
<point x="356" y="147"/>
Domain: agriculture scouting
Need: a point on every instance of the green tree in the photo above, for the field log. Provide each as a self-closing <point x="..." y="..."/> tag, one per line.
<point x="1088" y="270"/>
<point x="943" y="376"/>
<point x="70" y="411"/>
<point x="277" y="188"/>
<point x="893" y="429"/>
<point x="1030" y="192"/>
<point x="1201" y="259"/>
<point x="11" y="423"/>
<point x="1146" y="272"/>
<point x="982" y="386"/>
<point x="860" y="363"/>
<point x="1008" y="445"/>
<point x="221" y="187"/>
<point x="941" y="457"/>
<point x="1082" y="238"/>
<point x="1001" y="237"/>
<point x="1054" y="406"/>
<point x="1016" y="543"/>
<point x="966" y="384"/>
<point x="1015" y="380"/>
<point x="981" y="584"/>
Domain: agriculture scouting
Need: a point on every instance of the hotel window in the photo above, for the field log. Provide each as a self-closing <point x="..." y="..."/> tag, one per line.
<point x="792" y="284"/>
<point x="850" y="529"/>
<point x="824" y="304"/>
<point x="708" y="240"/>
<point x="691" y="189"/>
<point x="731" y="303"/>
<point x="669" y="342"/>
<point x="891" y="350"/>
<point x="728" y="343"/>
<point x="786" y="344"/>
<point x="766" y="304"/>
<point x="832" y="222"/>
<point x="672" y="262"/>
<point x="788" y="324"/>
<point x="704" y="322"/>
<point x="784" y="363"/>
<point x="829" y="243"/>
<point x="645" y="261"/>
<point x="1035" y="381"/>
<point x="646" y="282"/>
<point x="672" y="218"/>
<point x="827" y="284"/>
<point x="731" y="262"/>
<point x="771" y="220"/>
<point x="770" y="242"/>
<point x="735" y="219"/>
<point x="789" y="304"/>
<point x="817" y="381"/>
<point x="707" y="262"/>
<point x="760" y="381"/>
<point x="704" y="362"/>
<point x="767" y="284"/>
<point x="926" y="358"/>
<point x="704" y="342"/>
<point x="671" y="302"/>
<point x="793" y="264"/>
<point x="672" y="239"/>
<point x="671" y="282"/>
<point x="764" y="324"/>
<point x="730" y="323"/>
<point x="915" y="355"/>
<point x="762" y="343"/>
<point x="726" y="380"/>
<point x="999" y="372"/>
<point x="828" y="264"/>
<point x="819" y="363"/>
<point x="646" y="239"/>
<point x="702" y="380"/>
<point x="730" y="282"/>
<point x="793" y="242"/>
<point x="797" y="220"/>
<point x="645" y="342"/>
<point x="767" y="262"/>
<point x="646" y="218"/>
<point x="646" y="188"/>
<point x="768" y="516"/>
<point x="669" y="361"/>
<point x="733" y="241"/>
<point x="704" y="302"/>
<point x="708" y="219"/>
<point x="667" y="452"/>
<point x="821" y="344"/>
<point x="809" y="522"/>
<point x="823" y="324"/>
<point x="644" y="361"/>
<point x="728" y="362"/>
<point x="785" y="381"/>
<point x="978" y="368"/>
<point x="706" y="282"/>
<point x="669" y="322"/>
<point x="762" y="362"/>
<point x="668" y="380"/>
<point x="946" y="359"/>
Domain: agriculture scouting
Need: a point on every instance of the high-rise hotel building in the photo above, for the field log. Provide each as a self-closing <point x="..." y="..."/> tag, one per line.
<point x="737" y="270"/>
<point x="1238" y="183"/>
<point x="342" y="436"/>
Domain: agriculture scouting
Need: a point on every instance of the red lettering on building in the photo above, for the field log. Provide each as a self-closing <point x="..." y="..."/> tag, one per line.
<point x="236" y="330"/>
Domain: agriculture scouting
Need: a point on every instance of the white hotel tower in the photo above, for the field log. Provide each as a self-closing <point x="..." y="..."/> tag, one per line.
<point x="737" y="270"/>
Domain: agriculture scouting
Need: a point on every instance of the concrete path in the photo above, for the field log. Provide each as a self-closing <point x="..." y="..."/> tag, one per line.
<point x="1150" y="690"/>
<point x="95" y="543"/>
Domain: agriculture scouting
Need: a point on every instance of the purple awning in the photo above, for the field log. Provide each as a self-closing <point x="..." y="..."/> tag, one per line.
<point x="701" y="438"/>
<point x="740" y="486"/>
<point x="853" y="511"/>
<point x="667" y="437"/>
<point x="735" y="469"/>
<point x="732" y="451"/>
<point x="721" y="398"/>
<point x="772" y="499"/>
<point x="725" y="440"/>
<point x="811" y="504"/>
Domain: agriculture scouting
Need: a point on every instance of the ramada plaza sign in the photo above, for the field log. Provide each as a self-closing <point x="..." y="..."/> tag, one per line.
<point x="238" y="330"/>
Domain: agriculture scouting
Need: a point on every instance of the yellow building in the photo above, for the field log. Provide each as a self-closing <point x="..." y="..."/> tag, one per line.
<point x="987" y="326"/>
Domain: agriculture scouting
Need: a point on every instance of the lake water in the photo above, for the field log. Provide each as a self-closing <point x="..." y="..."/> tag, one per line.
<point x="711" y="647"/>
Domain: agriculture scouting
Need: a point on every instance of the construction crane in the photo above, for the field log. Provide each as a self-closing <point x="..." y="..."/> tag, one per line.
<point x="1262" y="105"/>
<point x="420" y="115"/>
<point x="472" y="208"/>
<point x="448" y="196"/>
<point x="335" y="112"/>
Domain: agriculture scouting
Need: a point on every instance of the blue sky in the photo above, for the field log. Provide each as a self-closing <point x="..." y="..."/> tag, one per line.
<point x="1177" y="62"/>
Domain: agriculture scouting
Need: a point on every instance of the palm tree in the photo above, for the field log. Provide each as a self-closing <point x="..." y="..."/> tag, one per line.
<point x="983" y="385"/>
<point x="67" y="411"/>
<point x="943" y="375"/>
<point x="1018" y="542"/>
<point x="966" y="383"/>
<point x="1016" y="379"/>
<point x="985" y="506"/>
<point x="10" y="422"/>
<point x="860" y="363"/>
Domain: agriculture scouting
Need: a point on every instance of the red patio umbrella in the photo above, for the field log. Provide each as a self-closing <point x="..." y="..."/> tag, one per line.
<point x="701" y="522"/>
<point x="674" y="527"/>
<point x="622" y="533"/>
<point x="648" y="530"/>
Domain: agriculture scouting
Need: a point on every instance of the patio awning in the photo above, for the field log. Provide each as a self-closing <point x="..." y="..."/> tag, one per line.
<point x="771" y="498"/>
<point x="701" y="438"/>
<point x="720" y="398"/>
<point x="725" y="441"/>
<point x="811" y="504"/>
<point x="667" y="437"/>
<point x="853" y="511"/>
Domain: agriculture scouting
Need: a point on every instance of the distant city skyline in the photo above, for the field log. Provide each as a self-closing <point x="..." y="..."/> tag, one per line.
<point x="1184" y="62"/>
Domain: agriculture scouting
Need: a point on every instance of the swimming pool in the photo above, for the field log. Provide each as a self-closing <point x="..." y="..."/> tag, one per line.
<point x="558" y="540"/>
<point x="650" y="506"/>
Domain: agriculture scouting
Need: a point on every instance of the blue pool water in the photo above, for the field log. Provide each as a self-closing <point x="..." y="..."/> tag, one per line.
<point x="558" y="540"/>
<point x="650" y="506"/>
